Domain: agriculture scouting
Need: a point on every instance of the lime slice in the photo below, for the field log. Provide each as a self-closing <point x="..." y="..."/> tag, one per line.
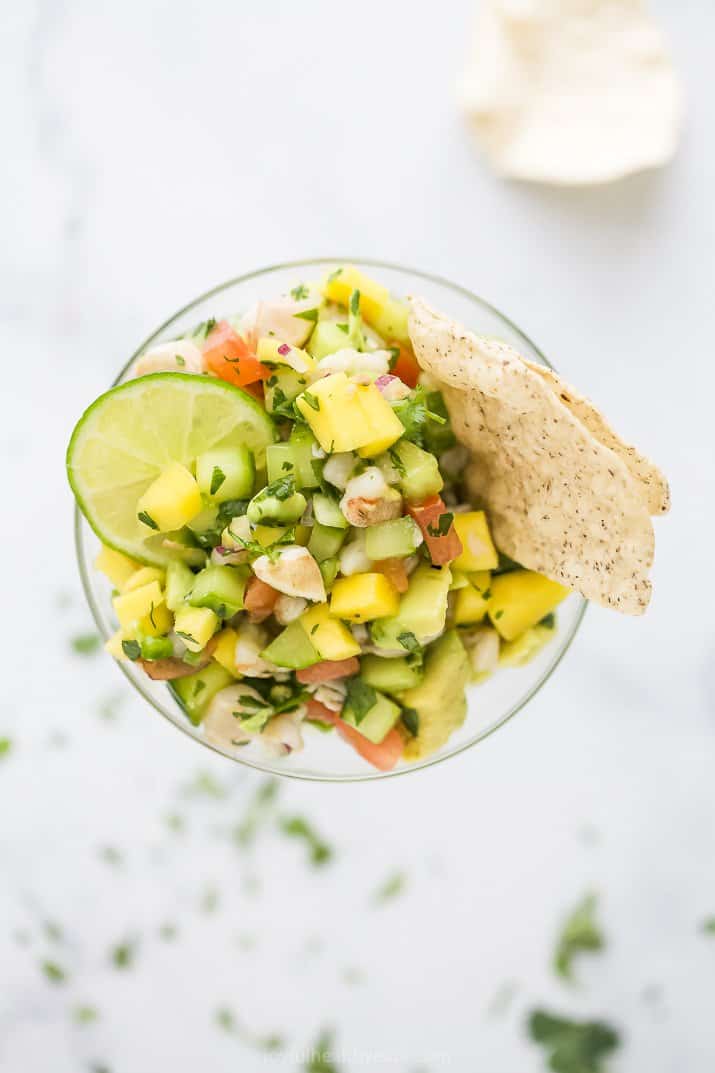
<point x="126" y="438"/>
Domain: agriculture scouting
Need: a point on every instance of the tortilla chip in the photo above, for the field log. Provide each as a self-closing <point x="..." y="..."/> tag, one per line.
<point x="560" y="500"/>
<point x="653" y="483"/>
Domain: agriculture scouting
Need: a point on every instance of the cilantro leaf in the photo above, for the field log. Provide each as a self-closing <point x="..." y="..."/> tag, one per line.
<point x="298" y="827"/>
<point x="709" y="926"/>
<point x="320" y="1056"/>
<point x="299" y="292"/>
<point x="580" y="932"/>
<point x="408" y="641"/>
<point x="132" y="649"/>
<point x="217" y="478"/>
<point x="360" y="698"/>
<point x="411" y="719"/>
<point x="572" y="1046"/>
<point x="5" y="746"/>
<point x="393" y="886"/>
<point x="147" y="519"/>
<point x="444" y="523"/>
<point x="86" y="644"/>
<point x="54" y="972"/>
<point x="312" y="401"/>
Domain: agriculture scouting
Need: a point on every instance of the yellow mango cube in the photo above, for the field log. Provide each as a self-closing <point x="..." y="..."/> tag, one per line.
<point x="265" y="535"/>
<point x="114" y="645"/>
<point x="156" y="623"/>
<point x="171" y="501"/>
<point x="116" y="566"/>
<point x="132" y="606"/>
<point x="331" y="409"/>
<point x="196" y="626"/>
<point x="225" y="650"/>
<point x="471" y="601"/>
<point x="143" y="576"/>
<point x="363" y="597"/>
<point x="478" y="551"/>
<point x="382" y="421"/>
<point x="329" y="636"/>
<point x="520" y="599"/>
<point x="274" y="352"/>
<point x="339" y="285"/>
<point x="391" y="322"/>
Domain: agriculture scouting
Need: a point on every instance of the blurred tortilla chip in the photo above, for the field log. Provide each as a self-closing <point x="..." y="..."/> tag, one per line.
<point x="565" y="495"/>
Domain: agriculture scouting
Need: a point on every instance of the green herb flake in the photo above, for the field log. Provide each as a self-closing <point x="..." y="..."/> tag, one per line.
<point x="498" y="615"/>
<point x="54" y="972"/>
<point x="5" y="747"/>
<point x="184" y="637"/>
<point x="131" y="649"/>
<point x="444" y="523"/>
<point x="411" y="719"/>
<point x="580" y="932"/>
<point x="217" y="478"/>
<point x="298" y="827"/>
<point x="168" y="932"/>
<point x="355" y="303"/>
<point x="308" y="314"/>
<point x="122" y="955"/>
<point x="397" y="462"/>
<point x="86" y="644"/>
<point x="708" y="926"/>
<point x="85" y="1015"/>
<point x="53" y="931"/>
<point x="312" y="401"/>
<point x="259" y="810"/>
<point x="146" y="519"/>
<point x="360" y="698"/>
<point x="111" y="856"/>
<point x="179" y="360"/>
<point x="572" y="1046"/>
<point x="334" y="275"/>
<point x="393" y="887"/>
<point x="225" y="1019"/>
<point x="408" y="641"/>
<point x="548" y="621"/>
<point x="320" y="1058"/>
<point x="299" y="292"/>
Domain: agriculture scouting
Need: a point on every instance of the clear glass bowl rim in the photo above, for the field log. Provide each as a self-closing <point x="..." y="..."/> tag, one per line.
<point x="268" y="767"/>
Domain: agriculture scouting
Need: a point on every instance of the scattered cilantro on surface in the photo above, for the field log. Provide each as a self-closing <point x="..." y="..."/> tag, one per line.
<point x="392" y="887"/>
<point x="360" y="698"/>
<point x="320" y="1057"/>
<point x="54" y="972"/>
<point x="298" y="827"/>
<point x="708" y="926"/>
<point x="5" y="747"/>
<point x="85" y="1015"/>
<point x="258" y="812"/>
<point x="122" y="955"/>
<point x="572" y="1046"/>
<point x="86" y="644"/>
<point x="580" y="932"/>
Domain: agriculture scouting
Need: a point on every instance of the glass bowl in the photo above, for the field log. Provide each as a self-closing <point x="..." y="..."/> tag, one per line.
<point x="325" y="756"/>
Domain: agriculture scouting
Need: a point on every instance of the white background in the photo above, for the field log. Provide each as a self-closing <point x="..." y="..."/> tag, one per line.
<point x="151" y="150"/>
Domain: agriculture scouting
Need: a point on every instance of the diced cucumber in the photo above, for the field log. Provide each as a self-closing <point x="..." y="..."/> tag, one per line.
<point x="205" y="520"/>
<point x="179" y="582"/>
<point x="378" y="721"/>
<point x="418" y="471"/>
<point x="281" y="387"/>
<point x="195" y="692"/>
<point x="226" y="473"/>
<point x="293" y="459"/>
<point x="395" y="539"/>
<point x="327" y="337"/>
<point x="326" y="511"/>
<point x="277" y="504"/>
<point x="156" y="648"/>
<point x="292" y="648"/>
<point x="329" y="571"/>
<point x="220" y="588"/>
<point x="325" y="541"/>
<point x="391" y="675"/>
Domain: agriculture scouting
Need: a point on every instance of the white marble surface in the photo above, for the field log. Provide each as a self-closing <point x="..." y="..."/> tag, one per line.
<point x="152" y="149"/>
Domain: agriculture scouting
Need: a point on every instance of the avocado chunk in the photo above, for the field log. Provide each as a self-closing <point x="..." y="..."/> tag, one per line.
<point x="195" y="692"/>
<point x="422" y="612"/>
<point x="292" y="648"/>
<point x="439" y="699"/>
<point x="379" y="719"/>
<point x="219" y="588"/>
<point x="390" y="675"/>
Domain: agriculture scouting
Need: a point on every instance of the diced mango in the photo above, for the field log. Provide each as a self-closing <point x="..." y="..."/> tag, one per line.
<point x="471" y="601"/>
<point x="329" y="636"/>
<point x="143" y="576"/>
<point x="156" y="623"/>
<point x="272" y="351"/>
<point x="333" y="413"/>
<point x="340" y="284"/>
<point x="196" y="626"/>
<point x="391" y="322"/>
<point x="135" y="605"/>
<point x="114" y="645"/>
<point x="363" y="597"/>
<point x="171" y="501"/>
<point x="380" y="418"/>
<point x="478" y="551"/>
<point x="520" y="599"/>
<point x="303" y="534"/>
<point x="115" y="566"/>
<point x="225" y="650"/>
<point x="265" y="535"/>
<point x="459" y="580"/>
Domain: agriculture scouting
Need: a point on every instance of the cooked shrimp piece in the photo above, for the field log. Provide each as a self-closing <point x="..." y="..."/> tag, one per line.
<point x="178" y="356"/>
<point x="294" y="572"/>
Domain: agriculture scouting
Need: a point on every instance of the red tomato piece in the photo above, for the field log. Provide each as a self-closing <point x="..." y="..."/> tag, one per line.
<point x="406" y="366"/>
<point x="443" y="547"/>
<point x="229" y="357"/>
<point x="394" y="571"/>
<point x="383" y="756"/>
<point x="327" y="670"/>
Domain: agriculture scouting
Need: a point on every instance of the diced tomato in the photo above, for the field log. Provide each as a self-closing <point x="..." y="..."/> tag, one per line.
<point x="394" y="571"/>
<point x="327" y="670"/>
<point x="406" y="366"/>
<point x="383" y="756"/>
<point x="259" y="599"/>
<point x="443" y="547"/>
<point x="229" y="357"/>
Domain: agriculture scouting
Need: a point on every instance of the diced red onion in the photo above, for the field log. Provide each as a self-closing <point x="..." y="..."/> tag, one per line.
<point x="284" y="349"/>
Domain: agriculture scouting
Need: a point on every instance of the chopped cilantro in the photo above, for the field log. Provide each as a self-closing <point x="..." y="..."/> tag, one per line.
<point x="258" y="812"/>
<point x="297" y="827"/>
<point x="131" y="649"/>
<point x="5" y="746"/>
<point x="202" y="330"/>
<point x="572" y="1046"/>
<point x="334" y="275"/>
<point x="147" y="519"/>
<point x="299" y="292"/>
<point x="85" y="1015"/>
<point x="111" y="855"/>
<point x="580" y="932"/>
<point x="122" y="955"/>
<point x="85" y="644"/>
<point x="708" y="926"/>
<point x="355" y="303"/>
<point x="411" y="719"/>
<point x="287" y="466"/>
<point x="408" y="641"/>
<point x="320" y="1057"/>
<point x="206" y="784"/>
<point x="179" y="360"/>
<point x="217" y="478"/>
<point x="397" y="462"/>
<point x="443" y="525"/>
<point x="394" y="357"/>
<point x="208" y="903"/>
<point x="393" y="886"/>
<point x="548" y="621"/>
<point x="168" y="932"/>
<point x="184" y="637"/>
<point x="414" y="414"/>
<point x="312" y="401"/>
<point x="225" y="1019"/>
<point x="360" y="698"/>
<point x="308" y="314"/>
<point x="54" y="972"/>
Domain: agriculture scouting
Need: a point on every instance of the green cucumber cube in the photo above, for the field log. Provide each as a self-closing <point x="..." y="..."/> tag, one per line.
<point x="390" y="675"/>
<point x="179" y="582"/>
<point x="395" y="539"/>
<point x="419" y="472"/>
<point x="220" y="588"/>
<point x="196" y="691"/>
<point x="292" y="648"/>
<point x="226" y="473"/>
<point x="325" y="542"/>
<point x="378" y="721"/>
<point x="326" y="511"/>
